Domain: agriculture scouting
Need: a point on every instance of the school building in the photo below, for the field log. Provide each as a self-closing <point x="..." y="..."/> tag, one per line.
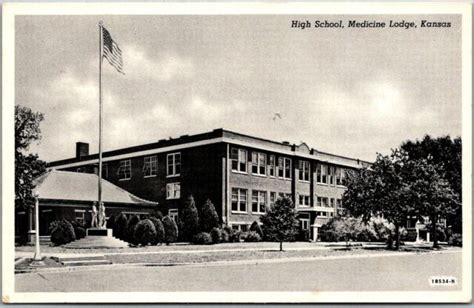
<point x="242" y="175"/>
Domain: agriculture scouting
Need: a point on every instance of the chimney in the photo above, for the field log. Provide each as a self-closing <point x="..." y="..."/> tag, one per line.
<point x="82" y="149"/>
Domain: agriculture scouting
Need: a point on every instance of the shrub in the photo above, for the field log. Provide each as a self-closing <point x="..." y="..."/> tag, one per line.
<point x="209" y="218"/>
<point x="110" y="222"/>
<point x="130" y="231"/>
<point x="234" y="236"/>
<point x="160" y="231"/>
<point x="157" y="214"/>
<point x="216" y="235"/>
<point x="303" y="236"/>
<point x="145" y="232"/>
<point x="171" y="230"/>
<point x="256" y="227"/>
<point x="189" y="220"/>
<point x="202" y="238"/>
<point x="455" y="240"/>
<point x="252" y="236"/>
<point x="225" y="236"/>
<point x="79" y="230"/>
<point x="120" y="226"/>
<point x="62" y="232"/>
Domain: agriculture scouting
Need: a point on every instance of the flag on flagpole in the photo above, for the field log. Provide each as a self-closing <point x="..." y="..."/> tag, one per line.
<point x="111" y="51"/>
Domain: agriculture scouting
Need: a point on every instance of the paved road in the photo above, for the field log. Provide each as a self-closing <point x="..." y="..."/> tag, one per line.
<point x="395" y="273"/>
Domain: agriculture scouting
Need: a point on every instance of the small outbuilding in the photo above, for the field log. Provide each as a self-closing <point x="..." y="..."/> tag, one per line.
<point x="71" y="195"/>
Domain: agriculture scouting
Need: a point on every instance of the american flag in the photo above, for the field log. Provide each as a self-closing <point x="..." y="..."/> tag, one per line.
<point x="111" y="51"/>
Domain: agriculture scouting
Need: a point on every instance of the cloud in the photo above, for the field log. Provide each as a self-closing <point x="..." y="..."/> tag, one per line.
<point x="167" y="66"/>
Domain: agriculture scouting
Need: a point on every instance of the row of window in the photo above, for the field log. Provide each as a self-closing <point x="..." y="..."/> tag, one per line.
<point x="330" y="175"/>
<point x="259" y="200"/>
<point x="150" y="167"/>
<point x="304" y="200"/>
<point x="281" y="167"/>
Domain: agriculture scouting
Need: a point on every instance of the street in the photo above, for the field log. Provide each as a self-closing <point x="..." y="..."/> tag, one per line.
<point x="410" y="272"/>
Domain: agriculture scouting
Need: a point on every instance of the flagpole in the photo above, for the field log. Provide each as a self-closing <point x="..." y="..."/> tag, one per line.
<point x="100" y="113"/>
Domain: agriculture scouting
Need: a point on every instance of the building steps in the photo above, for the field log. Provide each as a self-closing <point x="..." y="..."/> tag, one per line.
<point x="93" y="241"/>
<point x="83" y="261"/>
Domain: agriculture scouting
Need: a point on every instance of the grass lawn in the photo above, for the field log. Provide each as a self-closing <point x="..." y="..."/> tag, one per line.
<point x="213" y="256"/>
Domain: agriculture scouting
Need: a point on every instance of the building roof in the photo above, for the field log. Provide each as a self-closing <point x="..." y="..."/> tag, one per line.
<point x="76" y="186"/>
<point x="215" y="136"/>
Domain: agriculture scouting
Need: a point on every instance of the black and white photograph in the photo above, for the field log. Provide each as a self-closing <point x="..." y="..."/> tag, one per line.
<point x="236" y="152"/>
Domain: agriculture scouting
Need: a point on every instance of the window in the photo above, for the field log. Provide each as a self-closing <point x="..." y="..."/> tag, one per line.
<point x="173" y="164"/>
<point x="259" y="201"/>
<point x="332" y="202"/>
<point x="338" y="176"/>
<point x="272" y="197"/>
<point x="322" y="214"/>
<point x="321" y="171"/>
<point x="280" y="167"/>
<point x="304" y="170"/>
<point x="287" y="168"/>
<point x="331" y="175"/>
<point x="272" y="166"/>
<point x="173" y="215"/>
<point x="150" y="166"/>
<point x="124" y="171"/>
<point x="304" y="200"/>
<point x="173" y="191"/>
<point x="322" y="201"/>
<point x="238" y="159"/>
<point x="239" y="200"/>
<point x="339" y="203"/>
<point x="240" y="227"/>
<point x="343" y="177"/>
<point x="304" y="223"/>
<point x="259" y="163"/>
<point x="80" y="216"/>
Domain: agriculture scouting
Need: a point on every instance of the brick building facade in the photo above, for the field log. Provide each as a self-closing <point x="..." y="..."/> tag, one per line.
<point x="240" y="174"/>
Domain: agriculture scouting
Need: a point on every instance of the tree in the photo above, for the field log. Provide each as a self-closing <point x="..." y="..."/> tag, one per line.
<point x="396" y="187"/>
<point x="120" y="226"/>
<point x="27" y="166"/>
<point x="256" y="227"/>
<point x="145" y="232"/>
<point x="171" y="230"/>
<point x="189" y="219"/>
<point x="209" y="218"/>
<point x="433" y="195"/>
<point x="445" y="154"/>
<point x="280" y="222"/>
<point x="381" y="191"/>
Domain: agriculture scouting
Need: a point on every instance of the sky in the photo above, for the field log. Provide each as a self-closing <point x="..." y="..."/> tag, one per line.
<point x="351" y="92"/>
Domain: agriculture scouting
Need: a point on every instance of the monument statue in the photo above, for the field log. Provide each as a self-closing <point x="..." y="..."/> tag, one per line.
<point x="102" y="221"/>
<point x="94" y="216"/>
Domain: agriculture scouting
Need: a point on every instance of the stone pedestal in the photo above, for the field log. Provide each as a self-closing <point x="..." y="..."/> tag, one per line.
<point x="99" y="232"/>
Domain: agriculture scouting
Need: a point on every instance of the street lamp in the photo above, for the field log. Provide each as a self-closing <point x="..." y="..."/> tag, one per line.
<point x="37" y="257"/>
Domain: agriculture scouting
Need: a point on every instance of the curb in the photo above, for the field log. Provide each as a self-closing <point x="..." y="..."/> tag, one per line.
<point x="220" y="263"/>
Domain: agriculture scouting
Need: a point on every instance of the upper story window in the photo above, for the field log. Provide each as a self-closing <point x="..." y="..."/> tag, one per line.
<point x="332" y="202"/>
<point x="238" y="159"/>
<point x="272" y="197"/>
<point x="173" y="164"/>
<point x="124" y="171"/>
<point x="331" y="175"/>
<point x="259" y="201"/>
<point x="150" y="166"/>
<point x="304" y="170"/>
<point x="259" y="163"/>
<point x="281" y="167"/>
<point x="321" y="174"/>
<point x="339" y="203"/>
<point x="173" y="191"/>
<point x="239" y="200"/>
<point x="287" y="168"/>
<point x="271" y="166"/>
